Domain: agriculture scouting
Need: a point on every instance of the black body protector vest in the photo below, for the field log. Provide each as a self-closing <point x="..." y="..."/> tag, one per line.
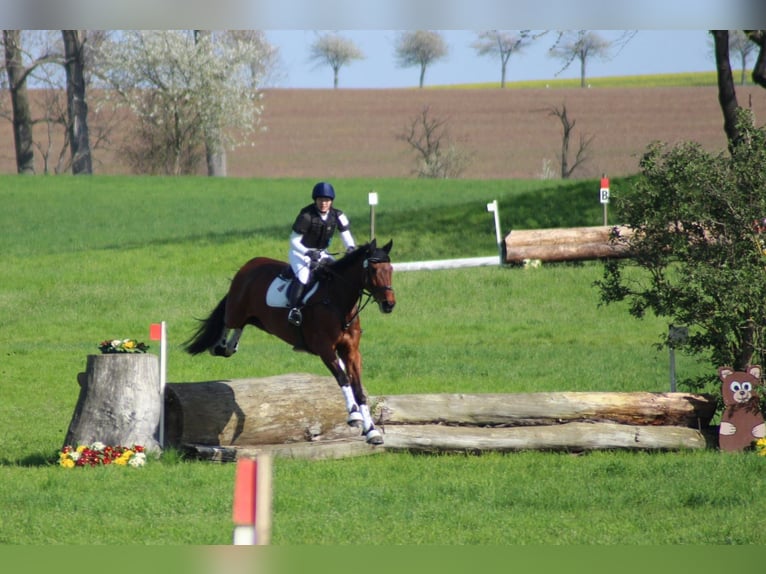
<point x="317" y="233"/>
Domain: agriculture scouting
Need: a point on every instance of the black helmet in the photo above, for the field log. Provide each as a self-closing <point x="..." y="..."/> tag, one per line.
<point x="323" y="189"/>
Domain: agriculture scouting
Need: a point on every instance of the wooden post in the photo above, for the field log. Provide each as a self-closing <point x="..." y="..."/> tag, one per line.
<point x="119" y="402"/>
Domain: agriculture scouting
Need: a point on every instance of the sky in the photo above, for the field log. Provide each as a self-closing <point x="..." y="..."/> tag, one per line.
<point x="648" y="52"/>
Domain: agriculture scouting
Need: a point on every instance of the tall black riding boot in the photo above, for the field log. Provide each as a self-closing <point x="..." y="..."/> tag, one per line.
<point x="294" y="295"/>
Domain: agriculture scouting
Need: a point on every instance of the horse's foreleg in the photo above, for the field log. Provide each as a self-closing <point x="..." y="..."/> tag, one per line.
<point x="372" y="434"/>
<point x="355" y="417"/>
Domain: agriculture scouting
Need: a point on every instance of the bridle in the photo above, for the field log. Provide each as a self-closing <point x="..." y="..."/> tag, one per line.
<point x="367" y="290"/>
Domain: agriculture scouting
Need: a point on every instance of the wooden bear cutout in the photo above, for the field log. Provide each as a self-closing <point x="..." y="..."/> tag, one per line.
<point x="741" y="421"/>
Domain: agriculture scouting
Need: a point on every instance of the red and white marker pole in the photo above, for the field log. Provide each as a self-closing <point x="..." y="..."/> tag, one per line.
<point x="604" y="195"/>
<point x="252" y="501"/>
<point x="158" y="332"/>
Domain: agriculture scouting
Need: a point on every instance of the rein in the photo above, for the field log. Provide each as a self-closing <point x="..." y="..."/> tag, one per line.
<point x="362" y="293"/>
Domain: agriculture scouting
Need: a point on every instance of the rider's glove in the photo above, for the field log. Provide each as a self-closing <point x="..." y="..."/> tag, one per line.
<point x="314" y="255"/>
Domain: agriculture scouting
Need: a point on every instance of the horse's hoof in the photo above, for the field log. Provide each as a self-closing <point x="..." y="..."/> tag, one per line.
<point x="354" y="419"/>
<point x="374" y="437"/>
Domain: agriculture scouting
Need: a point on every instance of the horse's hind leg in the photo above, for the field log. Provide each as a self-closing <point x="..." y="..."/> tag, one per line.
<point x="232" y="344"/>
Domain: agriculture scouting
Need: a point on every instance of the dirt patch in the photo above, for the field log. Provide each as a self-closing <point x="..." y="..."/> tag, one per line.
<point x="508" y="132"/>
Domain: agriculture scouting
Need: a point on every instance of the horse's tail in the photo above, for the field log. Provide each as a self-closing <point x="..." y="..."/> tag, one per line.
<point x="209" y="332"/>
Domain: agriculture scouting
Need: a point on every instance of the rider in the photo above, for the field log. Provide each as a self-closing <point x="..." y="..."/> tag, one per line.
<point x="311" y="234"/>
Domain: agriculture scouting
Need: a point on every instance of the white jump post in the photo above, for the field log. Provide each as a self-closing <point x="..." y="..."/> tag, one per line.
<point x="492" y="208"/>
<point x="158" y="332"/>
<point x="372" y="199"/>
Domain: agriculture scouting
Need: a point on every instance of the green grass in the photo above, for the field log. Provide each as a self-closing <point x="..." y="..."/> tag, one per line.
<point x="86" y="259"/>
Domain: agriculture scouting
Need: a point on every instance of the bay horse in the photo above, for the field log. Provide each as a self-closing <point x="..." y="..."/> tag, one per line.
<point x="330" y="329"/>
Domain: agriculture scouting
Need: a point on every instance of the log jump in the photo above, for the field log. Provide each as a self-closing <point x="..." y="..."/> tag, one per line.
<point x="564" y="244"/>
<point x="272" y="417"/>
<point x="299" y="416"/>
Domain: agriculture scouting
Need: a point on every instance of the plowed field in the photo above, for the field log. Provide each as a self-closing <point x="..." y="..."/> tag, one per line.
<point x="509" y="133"/>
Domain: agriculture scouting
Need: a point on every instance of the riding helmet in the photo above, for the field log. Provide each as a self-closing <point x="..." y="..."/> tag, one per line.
<point x="323" y="189"/>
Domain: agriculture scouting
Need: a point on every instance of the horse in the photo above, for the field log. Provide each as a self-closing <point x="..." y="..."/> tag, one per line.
<point x="330" y="328"/>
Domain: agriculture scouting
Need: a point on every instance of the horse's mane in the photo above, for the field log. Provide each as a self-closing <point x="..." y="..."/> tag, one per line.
<point x="366" y="251"/>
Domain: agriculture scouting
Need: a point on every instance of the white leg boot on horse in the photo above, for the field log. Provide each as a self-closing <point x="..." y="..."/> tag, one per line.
<point x="372" y="434"/>
<point x="355" y="418"/>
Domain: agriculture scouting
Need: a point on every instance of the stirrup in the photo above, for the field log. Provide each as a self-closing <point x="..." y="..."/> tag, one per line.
<point x="295" y="317"/>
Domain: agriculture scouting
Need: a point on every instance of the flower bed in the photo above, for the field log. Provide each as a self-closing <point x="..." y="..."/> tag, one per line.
<point x="98" y="454"/>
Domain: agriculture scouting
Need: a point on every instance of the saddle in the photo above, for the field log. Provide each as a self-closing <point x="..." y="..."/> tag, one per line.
<point x="276" y="295"/>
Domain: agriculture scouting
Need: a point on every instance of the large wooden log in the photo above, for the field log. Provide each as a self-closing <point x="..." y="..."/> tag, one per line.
<point x="245" y="412"/>
<point x="525" y="409"/>
<point x="563" y="235"/>
<point x="564" y="244"/>
<point x="119" y="402"/>
<point x="574" y="437"/>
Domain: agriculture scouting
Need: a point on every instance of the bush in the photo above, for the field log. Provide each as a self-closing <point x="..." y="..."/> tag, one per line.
<point x="699" y="239"/>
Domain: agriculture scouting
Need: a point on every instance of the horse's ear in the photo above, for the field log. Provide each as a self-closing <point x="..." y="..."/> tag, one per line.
<point x="387" y="246"/>
<point x="372" y="245"/>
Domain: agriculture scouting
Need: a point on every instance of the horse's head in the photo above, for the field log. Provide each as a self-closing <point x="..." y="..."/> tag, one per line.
<point x="378" y="271"/>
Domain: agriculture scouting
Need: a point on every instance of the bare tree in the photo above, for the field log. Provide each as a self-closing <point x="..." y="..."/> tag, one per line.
<point x="21" y="112"/>
<point x="758" y="37"/>
<point x="335" y="51"/>
<point x="438" y="155"/>
<point x="582" y="153"/>
<point x="501" y="43"/>
<point x="744" y="48"/>
<point x="727" y="94"/>
<point x="77" y="105"/>
<point x="583" y="46"/>
<point x="420" y="48"/>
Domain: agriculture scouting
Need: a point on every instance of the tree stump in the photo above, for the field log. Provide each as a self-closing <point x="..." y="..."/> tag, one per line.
<point x="119" y="402"/>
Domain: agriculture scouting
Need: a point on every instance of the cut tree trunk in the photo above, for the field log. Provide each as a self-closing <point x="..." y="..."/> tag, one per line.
<point x="526" y="409"/>
<point x="575" y="437"/>
<point x="564" y="244"/>
<point x="119" y="402"/>
<point x="245" y="412"/>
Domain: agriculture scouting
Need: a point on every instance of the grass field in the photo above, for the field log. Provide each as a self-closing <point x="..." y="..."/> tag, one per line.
<point x="85" y="259"/>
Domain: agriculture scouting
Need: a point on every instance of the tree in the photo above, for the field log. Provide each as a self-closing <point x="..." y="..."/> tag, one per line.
<point x="181" y="92"/>
<point x="335" y="51"/>
<point x="740" y="44"/>
<point x="420" y="48"/>
<point x="438" y="155"/>
<point x="581" y="45"/>
<point x="699" y="240"/>
<point x="727" y="93"/>
<point x="77" y="105"/>
<point x="759" y="70"/>
<point x="215" y="152"/>
<point x="503" y="44"/>
<point x="581" y="156"/>
<point x="22" y="114"/>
